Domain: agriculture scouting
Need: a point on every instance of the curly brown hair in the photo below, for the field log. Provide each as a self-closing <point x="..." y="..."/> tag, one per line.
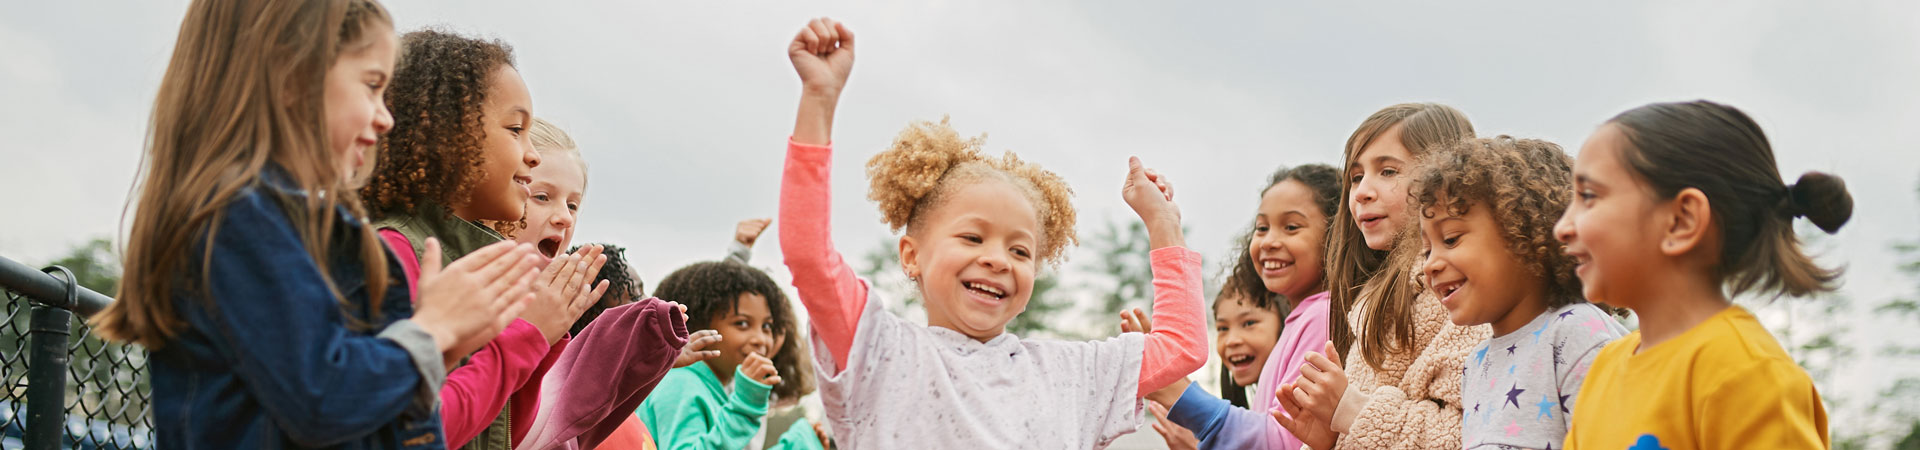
<point x="929" y="161"/>
<point x="1525" y="183"/>
<point x="433" y="154"/>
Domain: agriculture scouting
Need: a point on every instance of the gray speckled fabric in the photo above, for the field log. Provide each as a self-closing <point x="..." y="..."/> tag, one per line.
<point x="908" y="385"/>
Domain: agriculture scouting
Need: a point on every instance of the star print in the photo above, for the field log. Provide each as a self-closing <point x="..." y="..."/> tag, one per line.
<point x="1513" y="428"/>
<point x="1480" y="356"/>
<point x="1513" y="395"/>
<point x="1546" y="407"/>
<point x="1536" y="333"/>
<point x="1565" y="314"/>
<point x="1510" y="349"/>
<point x="1647" y="442"/>
<point x="1510" y="368"/>
<point x="1563" y="404"/>
<point x="1549" y="446"/>
<point x="1594" y="326"/>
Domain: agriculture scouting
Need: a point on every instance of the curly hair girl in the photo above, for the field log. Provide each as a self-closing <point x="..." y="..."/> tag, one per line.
<point x="459" y="106"/>
<point x="1523" y="183"/>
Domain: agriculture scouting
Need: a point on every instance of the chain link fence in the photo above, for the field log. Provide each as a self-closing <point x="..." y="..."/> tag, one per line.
<point x="105" y="398"/>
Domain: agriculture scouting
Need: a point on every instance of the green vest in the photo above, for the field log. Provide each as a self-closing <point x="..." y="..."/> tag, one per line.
<point x="457" y="237"/>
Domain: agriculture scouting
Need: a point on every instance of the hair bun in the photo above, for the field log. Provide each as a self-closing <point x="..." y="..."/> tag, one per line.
<point x="910" y="169"/>
<point x="1822" y="198"/>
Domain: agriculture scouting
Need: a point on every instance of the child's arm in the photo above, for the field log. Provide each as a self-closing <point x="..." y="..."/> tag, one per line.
<point x="823" y="55"/>
<point x="1395" y="418"/>
<point x="686" y="422"/>
<point x="745" y="234"/>
<point x="1177" y="346"/>
<point x="475" y="393"/>
<point x="1218" y="424"/>
<point x="274" y="320"/>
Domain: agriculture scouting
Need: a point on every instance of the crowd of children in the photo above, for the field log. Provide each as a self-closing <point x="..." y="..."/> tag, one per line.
<point x="349" y="237"/>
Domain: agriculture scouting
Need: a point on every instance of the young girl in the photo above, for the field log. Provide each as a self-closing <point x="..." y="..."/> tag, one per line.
<point x="718" y="403"/>
<point x="460" y="154"/>
<point x="976" y="231"/>
<point x="1678" y="207"/>
<point x="558" y="186"/>
<point x="1487" y="208"/>
<point x="1283" y="257"/>
<point x="270" y="308"/>
<point x="1401" y="386"/>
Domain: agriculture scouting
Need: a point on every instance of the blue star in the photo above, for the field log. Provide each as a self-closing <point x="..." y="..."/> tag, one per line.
<point x="1563" y="404"/>
<point x="1513" y="395"/>
<point x="1546" y="407"/>
<point x="1510" y="368"/>
<point x="1536" y="333"/>
<point x="1480" y="356"/>
<point x="1510" y="349"/>
<point x="1647" y="442"/>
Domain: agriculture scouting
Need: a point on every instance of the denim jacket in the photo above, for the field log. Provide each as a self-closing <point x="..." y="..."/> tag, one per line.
<point x="271" y="360"/>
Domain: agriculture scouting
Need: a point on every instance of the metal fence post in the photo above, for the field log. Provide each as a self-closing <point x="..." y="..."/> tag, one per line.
<point x="47" y="377"/>
<point x="47" y="337"/>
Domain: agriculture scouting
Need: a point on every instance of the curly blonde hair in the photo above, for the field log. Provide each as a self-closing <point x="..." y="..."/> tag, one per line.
<point x="1525" y="183"/>
<point x="929" y="161"/>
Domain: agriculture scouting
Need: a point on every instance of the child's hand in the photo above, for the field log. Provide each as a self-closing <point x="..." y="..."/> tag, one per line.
<point x="822" y="54"/>
<point x="695" y="350"/>
<point x="1178" y="437"/>
<point x="466" y="304"/>
<point x="760" y="369"/>
<point x="561" y="294"/>
<point x="821" y="432"/>
<point x="1315" y="431"/>
<point x="1151" y="196"/>
<point x="1135" y="321"/>
<point x="748" y="231"/>
<point x="1322" y="382"/>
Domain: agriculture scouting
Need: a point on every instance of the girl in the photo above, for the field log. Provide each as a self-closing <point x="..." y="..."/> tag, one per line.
<point x="1283" y="258"/>
<point x="718" y="404"/>
<point x="1680" y="206"/>
<point x="265" y="298"/>
<point x="1406" y="391"/>
<point x="976" y="230"/>
<point x="558" y="186"/>
<point x="1487" y="208"/>
<point x="460" y="154"/>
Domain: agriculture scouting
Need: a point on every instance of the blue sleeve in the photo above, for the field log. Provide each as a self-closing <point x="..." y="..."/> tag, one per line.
<point x="1217" y="423"/>
<point x="280" y="330"/>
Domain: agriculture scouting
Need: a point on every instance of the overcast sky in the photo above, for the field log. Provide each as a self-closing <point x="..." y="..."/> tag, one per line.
<point x="682" y="108"/>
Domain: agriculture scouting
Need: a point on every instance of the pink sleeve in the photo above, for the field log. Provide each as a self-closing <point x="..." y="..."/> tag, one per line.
<point x="1177" y="346"/>
<point x="832" y="294"/>
<point x="476" y="391"/>
<point x="409" y="264"/>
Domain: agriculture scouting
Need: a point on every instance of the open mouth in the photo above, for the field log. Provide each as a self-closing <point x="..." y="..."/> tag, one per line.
<point x="1240" y="361"/>
<point x="1447" y="289"/>
<point x="1274" y="265"/>
<point x="550" y="246"/>
<point x="985" y="289"/>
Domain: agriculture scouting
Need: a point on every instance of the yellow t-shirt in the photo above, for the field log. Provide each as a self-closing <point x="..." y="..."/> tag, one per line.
<point x="1725" y="384"/>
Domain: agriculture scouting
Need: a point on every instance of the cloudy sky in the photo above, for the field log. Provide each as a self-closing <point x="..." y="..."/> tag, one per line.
<point x="682" y="108"/>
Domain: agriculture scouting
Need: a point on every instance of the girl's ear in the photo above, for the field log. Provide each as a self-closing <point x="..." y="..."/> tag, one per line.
<point x="1690" y="223"/>
<point x="909" y="258"/>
